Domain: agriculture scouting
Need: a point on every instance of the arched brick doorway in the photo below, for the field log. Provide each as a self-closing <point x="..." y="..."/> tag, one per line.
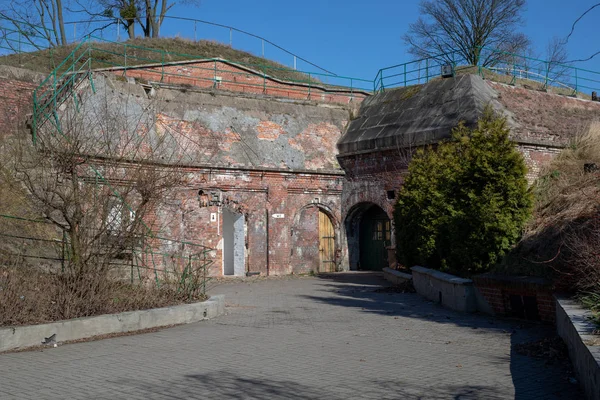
<point x="368" y="233"/>
<point x="313" y="241"/>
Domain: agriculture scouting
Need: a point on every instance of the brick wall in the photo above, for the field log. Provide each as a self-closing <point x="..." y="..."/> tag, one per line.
<point x="536" y="157"/>
<point x="497" y="291"/>
<point x="16" y="100"/>
<point x="225" y="76"/>
<point x="275" y="246"/>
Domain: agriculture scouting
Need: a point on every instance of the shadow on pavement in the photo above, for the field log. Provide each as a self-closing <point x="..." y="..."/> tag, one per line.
<point x="226" y="385"/>
<point x="532" y="378"/>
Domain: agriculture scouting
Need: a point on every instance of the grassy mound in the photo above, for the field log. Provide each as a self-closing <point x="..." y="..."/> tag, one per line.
<point x="150" y="50"/>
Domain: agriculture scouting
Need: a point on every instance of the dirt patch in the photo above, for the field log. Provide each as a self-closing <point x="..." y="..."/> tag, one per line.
<point x="551" y="349"/>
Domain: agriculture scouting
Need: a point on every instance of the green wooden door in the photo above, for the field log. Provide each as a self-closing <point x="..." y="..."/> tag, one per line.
<point x="375" y="236"/>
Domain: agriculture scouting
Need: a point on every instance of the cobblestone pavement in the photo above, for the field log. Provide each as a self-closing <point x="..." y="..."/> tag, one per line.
<point x="301" y="338"/>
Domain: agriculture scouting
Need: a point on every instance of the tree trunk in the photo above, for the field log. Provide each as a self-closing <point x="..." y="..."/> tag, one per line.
<point x="61" y="22"/>
<point x="131" y="29"/>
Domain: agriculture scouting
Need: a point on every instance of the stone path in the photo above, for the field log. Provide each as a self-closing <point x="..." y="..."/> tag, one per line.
<point x="301" y="338"/>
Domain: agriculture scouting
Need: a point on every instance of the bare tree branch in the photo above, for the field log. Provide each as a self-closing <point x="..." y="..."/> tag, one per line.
<point x="462" y="28"/>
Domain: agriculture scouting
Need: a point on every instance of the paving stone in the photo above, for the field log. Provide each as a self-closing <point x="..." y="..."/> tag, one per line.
<point x="328" y="337"/>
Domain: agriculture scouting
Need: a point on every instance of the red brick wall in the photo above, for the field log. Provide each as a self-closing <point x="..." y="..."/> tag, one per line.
<point x="496" y="296"/>
<point x="235" y="79"/>
<point x="497" y="292"/>
<point x="16" y="102"/>
<point x="272" y="244"/>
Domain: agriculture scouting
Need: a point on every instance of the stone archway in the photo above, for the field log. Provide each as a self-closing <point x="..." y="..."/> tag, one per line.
<point x="368" y="234"/>
<point x="314" y="240"/>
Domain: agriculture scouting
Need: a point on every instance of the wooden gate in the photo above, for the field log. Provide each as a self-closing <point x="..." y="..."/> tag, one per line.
<point x="326" y="243"/>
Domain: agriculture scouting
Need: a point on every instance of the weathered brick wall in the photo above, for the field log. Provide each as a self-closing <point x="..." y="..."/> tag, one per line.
<point x="275" y="246"/>
<point x="497" y="293"/>
<point x="536" y="158"/>
<point x="225" y="76"/>
<point x="16" y="100"/>
<point x="16" y="91"/>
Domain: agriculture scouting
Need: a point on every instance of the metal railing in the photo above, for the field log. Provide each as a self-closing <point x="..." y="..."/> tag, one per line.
<point x="94" y="53"/>
<point x="164" y="258"/>
<point x="498" y="66"/>
<point x="22" y="37"/>
<point x="196" y="29"/>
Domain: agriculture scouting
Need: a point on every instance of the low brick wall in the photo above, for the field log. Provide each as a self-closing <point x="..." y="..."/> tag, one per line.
<point x="450" y="291"/>
<point x="20" y="337"/>
<point x="515" y="296"/>
<point x="574" y="327"/>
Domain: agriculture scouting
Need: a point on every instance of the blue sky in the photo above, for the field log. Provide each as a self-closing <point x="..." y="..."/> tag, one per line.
<point x="356" y="38"/>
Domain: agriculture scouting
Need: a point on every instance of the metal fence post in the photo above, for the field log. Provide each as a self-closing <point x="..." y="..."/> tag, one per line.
<point x="162" y="64"/>
<point x="204" y="273"/>
<point x="62" y="257"/>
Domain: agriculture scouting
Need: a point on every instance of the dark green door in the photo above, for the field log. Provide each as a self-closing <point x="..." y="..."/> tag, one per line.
<point x="375" y="236"/>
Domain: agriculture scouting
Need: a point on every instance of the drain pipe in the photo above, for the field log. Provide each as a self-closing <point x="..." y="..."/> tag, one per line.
<point x="267" y="238"/>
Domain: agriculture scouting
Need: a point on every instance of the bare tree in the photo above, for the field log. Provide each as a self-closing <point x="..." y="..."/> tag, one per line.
<point x="39" y="22"/>
<point x="465" y="27"/>
<point x="96" y="173"/>
<point x="127" y="13"/>
<point x="556" y="57"/>
<point x="148" y="14"/>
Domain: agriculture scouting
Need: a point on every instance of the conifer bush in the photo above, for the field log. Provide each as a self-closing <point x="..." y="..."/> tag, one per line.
<point x="464" y="202"/>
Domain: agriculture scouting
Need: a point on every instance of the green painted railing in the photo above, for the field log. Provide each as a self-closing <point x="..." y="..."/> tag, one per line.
<point x="50" y="243"/>
<point x="95" y="53"/>
<point x="495" y="65"/>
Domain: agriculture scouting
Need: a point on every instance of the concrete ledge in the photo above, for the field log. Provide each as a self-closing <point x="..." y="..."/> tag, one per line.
<point x="395" y="277"/>
<point x="576" y="330"/>
<point x="449" y="290"/>
<point x="20" y="337"/>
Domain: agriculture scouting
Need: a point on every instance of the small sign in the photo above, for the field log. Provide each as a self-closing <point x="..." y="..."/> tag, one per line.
<point x="213" y="217"/>
<point x="278" y="215"/>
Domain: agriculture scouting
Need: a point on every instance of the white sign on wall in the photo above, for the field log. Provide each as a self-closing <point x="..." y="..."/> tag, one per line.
<point x="213" y="217"/>
<point x="278" y="215"/>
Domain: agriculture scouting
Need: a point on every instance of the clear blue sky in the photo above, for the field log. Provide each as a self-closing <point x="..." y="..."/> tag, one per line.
<point x="357" y="37"/>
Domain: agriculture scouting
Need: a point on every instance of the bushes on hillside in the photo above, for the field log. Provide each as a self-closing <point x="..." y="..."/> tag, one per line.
<point x="564" y="236"/>
<point x="464" y="203"/>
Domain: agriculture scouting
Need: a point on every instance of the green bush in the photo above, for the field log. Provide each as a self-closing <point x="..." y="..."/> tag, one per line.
<point x="465" y="202"/>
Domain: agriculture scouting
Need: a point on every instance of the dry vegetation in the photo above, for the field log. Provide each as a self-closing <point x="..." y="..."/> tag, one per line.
<point x="563" y="238"/>
<point x="30" y="296"/>
<point x="68" y="263"/>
